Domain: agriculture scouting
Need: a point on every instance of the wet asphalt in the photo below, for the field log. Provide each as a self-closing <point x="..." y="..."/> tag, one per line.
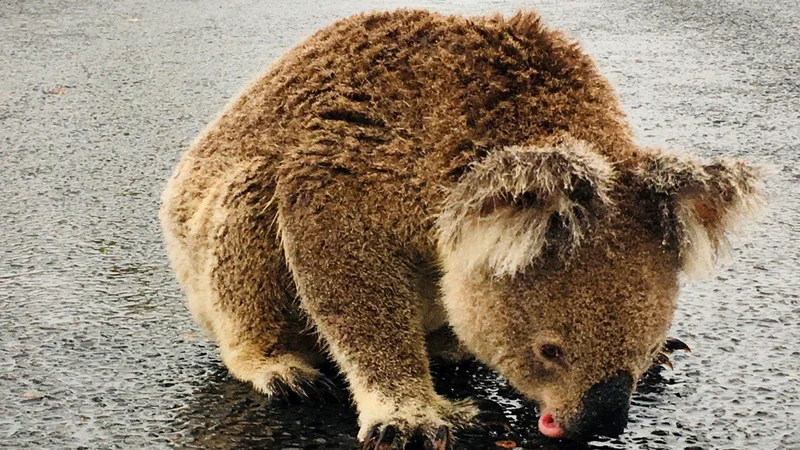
<point x="99" y="99"/>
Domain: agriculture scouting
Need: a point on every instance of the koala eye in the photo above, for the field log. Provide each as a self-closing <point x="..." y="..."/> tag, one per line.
<point x="552" y="352"/>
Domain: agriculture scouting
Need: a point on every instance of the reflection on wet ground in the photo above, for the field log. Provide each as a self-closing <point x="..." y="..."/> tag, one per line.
<point x="99" y="99"/>
<point x="225" y="414"/>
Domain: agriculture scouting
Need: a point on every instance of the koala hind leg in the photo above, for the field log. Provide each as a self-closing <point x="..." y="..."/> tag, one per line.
<point x="241" y="291"/>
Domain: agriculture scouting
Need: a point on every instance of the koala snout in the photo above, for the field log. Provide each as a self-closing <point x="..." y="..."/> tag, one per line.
<point x="604" y="409"/>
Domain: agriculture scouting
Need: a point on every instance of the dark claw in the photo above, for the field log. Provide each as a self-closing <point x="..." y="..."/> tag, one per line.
<point x="663" y="360"/>
<point x="673" y="344"/>
<point x="328" y="384"/>
<point x="372" y="438"/>
<point x="278" y="386"/>
<point x="443" y="440"/>
<point x="320" y="388"/>
<point x="323" y="388"/>
<point x="491" y="416"/>
<point x="387" y="438"/>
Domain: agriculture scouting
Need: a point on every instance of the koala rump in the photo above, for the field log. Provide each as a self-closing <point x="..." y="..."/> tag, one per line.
<point x="409" y="184"/>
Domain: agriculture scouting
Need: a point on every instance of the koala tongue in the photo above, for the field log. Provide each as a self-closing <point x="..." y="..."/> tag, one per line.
<point x="549" y="427"/>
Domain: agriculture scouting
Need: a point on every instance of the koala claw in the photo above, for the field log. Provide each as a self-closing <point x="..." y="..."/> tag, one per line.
<point x="386" y="438"/>
<point x="673" y="344"/>
<point x="390" y="437"/>
<point x="491" y="416"/>
<point x="297" y="382"/>
<point x="443" y="440"/>
<point x="662" y="360"/>
<point x="322" y="388"/>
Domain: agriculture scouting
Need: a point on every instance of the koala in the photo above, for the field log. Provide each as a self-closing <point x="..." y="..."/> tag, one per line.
<point x="409" y="184"/>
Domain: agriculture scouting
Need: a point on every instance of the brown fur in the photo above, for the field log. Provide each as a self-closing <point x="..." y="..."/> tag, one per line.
<point x="390" y="150"/>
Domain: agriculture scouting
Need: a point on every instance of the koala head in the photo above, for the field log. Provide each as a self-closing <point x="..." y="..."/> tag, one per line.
<point x="562" y="272"/>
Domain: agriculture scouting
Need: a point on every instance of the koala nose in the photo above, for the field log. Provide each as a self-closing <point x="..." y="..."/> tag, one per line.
<point x="605" y="408"/>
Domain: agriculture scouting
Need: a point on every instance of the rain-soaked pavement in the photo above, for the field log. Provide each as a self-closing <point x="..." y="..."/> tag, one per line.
<point x="98" y="99"/>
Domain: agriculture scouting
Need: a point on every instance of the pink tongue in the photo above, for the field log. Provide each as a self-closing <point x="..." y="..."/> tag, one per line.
<point x="549" y="427"/>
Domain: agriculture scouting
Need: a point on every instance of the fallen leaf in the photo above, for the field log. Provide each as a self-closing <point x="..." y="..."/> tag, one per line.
<point x="57" y="91"/>
<point x="32" y="395"/>
<point x="189" y="337"/>
<point x="506" y="444"/>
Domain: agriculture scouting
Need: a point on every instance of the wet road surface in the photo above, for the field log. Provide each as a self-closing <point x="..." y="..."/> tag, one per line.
<point x="99" y="99"/>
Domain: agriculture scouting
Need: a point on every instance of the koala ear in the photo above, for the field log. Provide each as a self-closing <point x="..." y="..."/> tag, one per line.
<point x="517" y="201"/>
<point x="701" y="203"/>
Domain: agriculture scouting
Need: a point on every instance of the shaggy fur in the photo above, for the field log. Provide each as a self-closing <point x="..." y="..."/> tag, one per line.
<point x="500" y="214"/>
<point x="701" y="204"/>
<point x="394" y="153"/>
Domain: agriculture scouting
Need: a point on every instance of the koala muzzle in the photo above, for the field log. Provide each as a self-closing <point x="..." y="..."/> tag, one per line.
<point x="605" y="409"/>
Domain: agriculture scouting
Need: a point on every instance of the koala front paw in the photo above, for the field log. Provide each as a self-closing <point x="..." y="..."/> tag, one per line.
<point x="433" y="427"/>
<point x="394" y="436"/>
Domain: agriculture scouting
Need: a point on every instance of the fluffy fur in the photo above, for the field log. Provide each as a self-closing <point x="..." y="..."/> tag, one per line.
<point x="394" y="153"/>
<point x="499" y="215"/>
<point x="701" y="203"/>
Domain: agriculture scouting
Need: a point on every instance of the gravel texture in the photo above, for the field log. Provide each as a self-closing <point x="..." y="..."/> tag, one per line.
<point x="99" y="99"/>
